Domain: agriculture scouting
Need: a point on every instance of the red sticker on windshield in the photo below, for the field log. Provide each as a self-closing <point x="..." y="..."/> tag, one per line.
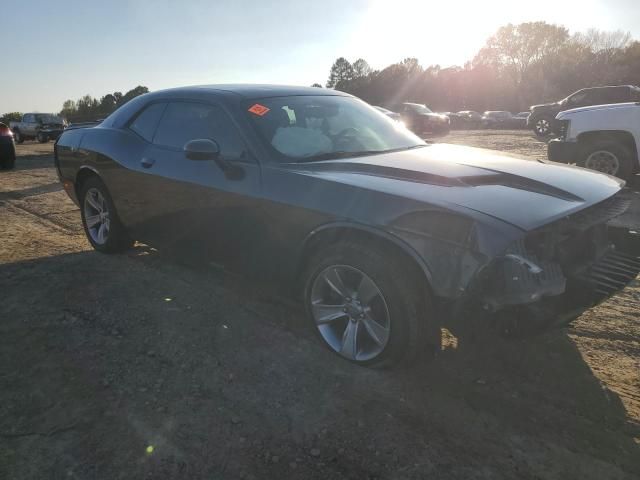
<point x="258" y="109"/>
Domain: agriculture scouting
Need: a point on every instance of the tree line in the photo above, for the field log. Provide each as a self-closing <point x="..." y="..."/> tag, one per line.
<point x="87" y="108"/>
<point x="520" y="65"/>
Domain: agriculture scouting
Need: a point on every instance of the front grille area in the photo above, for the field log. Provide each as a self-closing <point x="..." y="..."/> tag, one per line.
<point x="579" y="239"/>
<point x="575" y="249"/>
<point x="597" y="214"/>
<point x="576" y="253"/>
<point x="611" y="273"/>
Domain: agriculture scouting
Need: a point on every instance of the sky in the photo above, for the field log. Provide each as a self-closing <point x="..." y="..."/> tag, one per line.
<point x="54" y="51"/>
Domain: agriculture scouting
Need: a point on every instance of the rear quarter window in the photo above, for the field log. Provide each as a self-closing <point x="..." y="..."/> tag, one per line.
<point x="146" y="122"/>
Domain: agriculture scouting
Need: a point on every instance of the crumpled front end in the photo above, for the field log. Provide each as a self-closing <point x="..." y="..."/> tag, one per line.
<point x="563" y="267"/>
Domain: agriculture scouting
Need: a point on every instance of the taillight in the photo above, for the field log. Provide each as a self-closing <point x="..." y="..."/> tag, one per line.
<point x="5" y="132"/>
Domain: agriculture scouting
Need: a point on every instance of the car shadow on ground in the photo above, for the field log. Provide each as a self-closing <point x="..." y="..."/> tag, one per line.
<point x="135" y="363"/>
<point x="30" y="162"/>
<point x="31" y="191"/>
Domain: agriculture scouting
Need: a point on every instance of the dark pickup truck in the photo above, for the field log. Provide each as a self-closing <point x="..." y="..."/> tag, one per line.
<point x="542" y="117"/>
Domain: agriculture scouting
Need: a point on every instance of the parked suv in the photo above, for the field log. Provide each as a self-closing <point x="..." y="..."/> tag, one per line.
<point x="604" y="138"/>
<point x="421" y="120"/>
<point x="39" y="126"/>
<point x="542" y="116"/>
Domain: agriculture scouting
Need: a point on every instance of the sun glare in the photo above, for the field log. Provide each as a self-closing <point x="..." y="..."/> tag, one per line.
<point x="436" y="33"/>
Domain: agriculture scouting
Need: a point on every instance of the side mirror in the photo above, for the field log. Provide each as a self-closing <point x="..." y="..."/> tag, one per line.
<point x="201" y="149"/>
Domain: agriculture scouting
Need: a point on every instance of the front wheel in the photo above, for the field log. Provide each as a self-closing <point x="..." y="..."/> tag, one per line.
<point x="542" y="126"/>
<point x="608" y="157"/>
<point x="366" y="308"/>
<point x="100" y="219"/>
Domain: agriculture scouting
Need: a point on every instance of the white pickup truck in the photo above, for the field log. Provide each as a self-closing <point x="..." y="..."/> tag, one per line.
<point x="602" y="137"/>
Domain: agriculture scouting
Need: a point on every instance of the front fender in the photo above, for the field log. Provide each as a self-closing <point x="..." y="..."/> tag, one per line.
<point x="376" y="232"/>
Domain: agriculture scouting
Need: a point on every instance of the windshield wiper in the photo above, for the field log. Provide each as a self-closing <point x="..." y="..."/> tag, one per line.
<point x="420" y="145"/>
<point x="360" y="153"/>
<point x="340" y="154"/>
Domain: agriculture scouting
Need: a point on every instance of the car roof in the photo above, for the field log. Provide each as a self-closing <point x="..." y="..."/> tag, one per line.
<point x="606" y="87"/>
<point x="200" y="92"/>
<point x="250" y="91"/>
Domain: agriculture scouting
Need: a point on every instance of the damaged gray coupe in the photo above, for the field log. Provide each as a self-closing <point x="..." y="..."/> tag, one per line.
<point x="384" y="237"/>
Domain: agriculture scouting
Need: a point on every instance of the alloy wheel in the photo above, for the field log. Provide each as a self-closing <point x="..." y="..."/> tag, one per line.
<point x="603" y="161"/>
<point x="350" y="312"/>
<point x="96" y="216"/>
<point x="543" y="126"/>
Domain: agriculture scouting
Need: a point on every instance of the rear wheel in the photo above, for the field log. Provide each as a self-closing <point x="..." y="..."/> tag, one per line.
<point x="17" y="137"/>
<point x="42" y="137"/>
<point x="542" y="126"/>
<point x="100" y="220"/>
<point x="8" y="158"/>
<point x="365" y="307"/>
<point x="608" y="157"/>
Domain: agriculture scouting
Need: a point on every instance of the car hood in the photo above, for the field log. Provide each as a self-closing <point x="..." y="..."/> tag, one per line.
<point x="544" y="106"/>
<point x="526" y="194"/>
<point x="611" y="106"/>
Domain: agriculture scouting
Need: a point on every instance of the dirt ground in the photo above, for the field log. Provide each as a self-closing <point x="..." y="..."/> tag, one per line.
<point x="145" y="365"/>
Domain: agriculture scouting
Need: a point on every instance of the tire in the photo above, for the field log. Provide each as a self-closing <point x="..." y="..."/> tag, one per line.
<point x="8" y="161"/>
<point x="542" y="126"/>
<point x="42" y="137"/>
<point x="17" y="137"/>
<point x="402" y="336"/>
<point x="609" y="157"/>
<point x="95" y="201"/>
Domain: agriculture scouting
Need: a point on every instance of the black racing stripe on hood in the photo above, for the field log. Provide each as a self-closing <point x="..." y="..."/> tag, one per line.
<point x="521" y="183"/>
<point x="490" y="178"/>
<point x="381" y="171"/>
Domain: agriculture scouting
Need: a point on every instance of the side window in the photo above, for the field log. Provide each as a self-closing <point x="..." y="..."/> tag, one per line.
<point x="615" y="95"/>
<point x="28" y="118"/>
<point x="594" y="97"/>
<point x="578" y="98"/>
<point x="183" y="121"/>
<point x="145" y="123"/>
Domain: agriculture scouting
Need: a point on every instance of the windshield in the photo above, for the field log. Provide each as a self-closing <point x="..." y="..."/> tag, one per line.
<point x="312" y="127"/>
<point x="48" y="118"/>
<point x="418" y="108"/>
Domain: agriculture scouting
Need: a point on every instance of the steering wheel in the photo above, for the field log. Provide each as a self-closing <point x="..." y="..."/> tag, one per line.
<point x="348" y="132"/>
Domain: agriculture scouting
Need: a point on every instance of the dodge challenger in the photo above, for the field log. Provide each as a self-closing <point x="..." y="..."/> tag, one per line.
<point x="385" y="238"/>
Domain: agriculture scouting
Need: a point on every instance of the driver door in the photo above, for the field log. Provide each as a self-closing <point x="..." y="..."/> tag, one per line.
<point x="196" y="204"/>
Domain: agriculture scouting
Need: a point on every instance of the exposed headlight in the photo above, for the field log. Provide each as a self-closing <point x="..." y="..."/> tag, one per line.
<point x="563" y="128"/>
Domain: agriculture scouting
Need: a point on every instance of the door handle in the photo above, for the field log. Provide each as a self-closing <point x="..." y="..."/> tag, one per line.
<point x="147" y="162"/>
